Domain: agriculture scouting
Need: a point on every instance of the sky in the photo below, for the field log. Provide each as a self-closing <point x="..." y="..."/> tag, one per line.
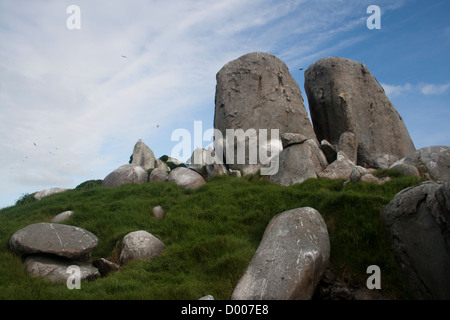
<point x="74" y="101"/>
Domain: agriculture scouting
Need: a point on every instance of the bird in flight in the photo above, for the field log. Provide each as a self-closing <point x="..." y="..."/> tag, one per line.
<point x="124" y="56"/>
<point x="300" y="69"/>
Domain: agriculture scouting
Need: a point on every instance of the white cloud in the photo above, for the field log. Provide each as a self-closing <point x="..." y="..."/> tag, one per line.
<point x="433" y="89"/>
<point x="423" y="88"/>
<point x="396" y="90"/>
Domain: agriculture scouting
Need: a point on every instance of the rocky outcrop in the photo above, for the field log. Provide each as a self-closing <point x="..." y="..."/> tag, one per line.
<point x="290" y="260"/>
<point x="143" y="156"/>
<point x="298" y="162"/>
<point x="48" y="192"/>
<point x="341" y="168"/>
<point x="128" y="173"/>
<point x="256" y="91"/>
<point x="57" y="239"/>
<point x="140" y="245"/>
<point x="434" y="160"/>
<point x="344" y="96"/>
<point x="417" y="222"/>
<point x="186" y="178"/>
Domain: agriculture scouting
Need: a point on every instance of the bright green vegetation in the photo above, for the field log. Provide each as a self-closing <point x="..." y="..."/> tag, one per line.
<point x="211" y="234"/>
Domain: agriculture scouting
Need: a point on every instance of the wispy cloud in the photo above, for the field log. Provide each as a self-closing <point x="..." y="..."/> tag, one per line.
<point x="423" y="88"/>
<point x="433" y="89"/>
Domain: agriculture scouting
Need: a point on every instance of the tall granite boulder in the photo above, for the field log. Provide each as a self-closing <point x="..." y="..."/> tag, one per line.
<point x="290" y="260"/>
<point x="344" y="96"/>
<point x="143" y="156"/>
<point x="128" y="173"/>
<point x="417" y="222"/>
<point x="256" y="91"/>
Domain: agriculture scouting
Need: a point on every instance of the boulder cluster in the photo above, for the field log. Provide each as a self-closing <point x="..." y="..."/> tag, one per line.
<point x="355" y="130"/>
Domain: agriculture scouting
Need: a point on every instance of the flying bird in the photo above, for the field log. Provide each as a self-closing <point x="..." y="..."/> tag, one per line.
<point x="35" y="144"/>
<point x="124" y="56"/>
<point x="300" y="69"/>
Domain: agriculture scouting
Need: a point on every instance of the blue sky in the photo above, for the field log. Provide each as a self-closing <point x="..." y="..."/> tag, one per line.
<point x="72" y="108"/>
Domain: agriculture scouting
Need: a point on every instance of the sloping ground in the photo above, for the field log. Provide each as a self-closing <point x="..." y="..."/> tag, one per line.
<point x="211" y="234"/>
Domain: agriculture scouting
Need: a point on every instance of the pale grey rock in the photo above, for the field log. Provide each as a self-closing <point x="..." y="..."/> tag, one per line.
<point x="357" y="173"/>
<point x="343" y="97"/>
<point x="208" y="297"/>
<point x="140" y="245"/>
<point x="52" y="238"/>
<point x="48" y="192"/>
<point x="214" y="165"/>
<point x="55" y="268"/>
<point x="348" y="143"/>
<point x="290" y="260"/>
<point x="128" y="173"/>
<point x="162" y="165"/>
<point x="417" y="222"/>
<point x="62" y="217"/>
<point x="299" y="162"/>
<point x="257" y="91"/>
<point x="406" y="169"/>
<point x="158" y="212"/>
<point x="158" y="175"/>
<point x="143" y="156"/>
<point x="289" y="138"/>
<point x="435" y="160"/>
<point x="186" y="178"/>
<point x="198" y="158"/>
<point x="341" y="168"/>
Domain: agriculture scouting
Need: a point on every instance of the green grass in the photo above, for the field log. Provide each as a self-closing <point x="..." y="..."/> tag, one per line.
<point x="211" y="234"/>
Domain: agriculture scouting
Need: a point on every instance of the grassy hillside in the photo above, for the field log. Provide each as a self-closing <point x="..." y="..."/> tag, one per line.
<point x="211" y="234"/>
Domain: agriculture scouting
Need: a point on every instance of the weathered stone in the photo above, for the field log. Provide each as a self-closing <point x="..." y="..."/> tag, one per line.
<point x="357" y="173"/>
<point x="344" y="96"/>
<point x="128" y="173"/>
<point x="290" y="260"/>
<point x="48" y="192"/>
<point x="198" y="158"/>
<point x="186" y="178"/>
<point x="435" y="160"/>
<point x="162" y="165"/>
<point x="256" y="91"/>
<point x="214" y="165"/>
<point x="140" y="245"/>
<point x="158" y="175"/>
<point x="406" y="169"/>
<point x="289" y="138"/>
<point x="299" y="162"/>
<point x="143" y="156"/>
<point x="370" y="178"/>
<point x="55" y="268"/>
<point x="208" y="297"/>
<point x="105" y="267"/>
<point x="349" y="145"/>
<point x="417" y="222"/>
<point x="328" y="150"/>
<point x="158" y="212"/>
<point x="341" y="168"/>
<point x="62" y="216"/>
<point x="58" y="239"/>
